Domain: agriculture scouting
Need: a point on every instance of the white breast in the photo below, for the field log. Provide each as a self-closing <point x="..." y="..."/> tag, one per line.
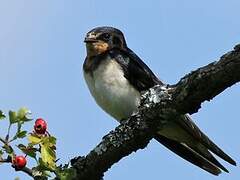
<point x="111" y="90"/>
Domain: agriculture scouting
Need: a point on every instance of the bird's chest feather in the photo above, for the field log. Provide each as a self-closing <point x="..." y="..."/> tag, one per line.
<point x="111" y="89"/>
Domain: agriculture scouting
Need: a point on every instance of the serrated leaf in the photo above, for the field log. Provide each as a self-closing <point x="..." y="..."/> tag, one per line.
<point x="13" y="118"/>
<point x="48" y="153"/>
<point x="28" y="150"/>
<point x="32" y="153"/>
<point x="48" y="156"/>
<point x="21" y="134"/>
<point x="2" y="115"/>
<point x="51" y="140"/>
<point x="34" y="139"/>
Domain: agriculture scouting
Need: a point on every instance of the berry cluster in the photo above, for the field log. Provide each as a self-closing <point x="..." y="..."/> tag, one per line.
<point x="40" y="128"/>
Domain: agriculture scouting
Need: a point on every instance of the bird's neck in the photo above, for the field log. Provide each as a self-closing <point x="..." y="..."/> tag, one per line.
<point x="91" y="63"/>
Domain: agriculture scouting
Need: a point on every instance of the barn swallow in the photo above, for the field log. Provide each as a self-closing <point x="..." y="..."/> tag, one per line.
<point x="116" y="77"/>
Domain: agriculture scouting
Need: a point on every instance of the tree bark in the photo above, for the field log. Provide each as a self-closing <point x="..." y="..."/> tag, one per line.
<point x="159" y="105"/>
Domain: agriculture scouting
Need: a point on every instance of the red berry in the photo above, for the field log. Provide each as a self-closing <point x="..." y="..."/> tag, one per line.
<point x="19" y="162"/>
<point x="40" y="126"/>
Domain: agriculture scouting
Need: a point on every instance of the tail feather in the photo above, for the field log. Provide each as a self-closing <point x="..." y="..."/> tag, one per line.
<point x="203" y="151"/>
<point x="191" y="155"/>
<point x="192" y="129"/>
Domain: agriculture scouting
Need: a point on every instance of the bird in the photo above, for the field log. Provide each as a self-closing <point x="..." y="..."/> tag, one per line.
<point x="116" y="77"/>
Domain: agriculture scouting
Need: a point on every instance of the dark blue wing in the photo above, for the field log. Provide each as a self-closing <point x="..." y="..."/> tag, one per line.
<point x="135" y="70"/>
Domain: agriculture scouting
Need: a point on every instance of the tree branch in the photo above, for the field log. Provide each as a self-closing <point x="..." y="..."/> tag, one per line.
<point x="159" y="105"/>
<point x="207" y="82"/>
<point x="26" y="170"/>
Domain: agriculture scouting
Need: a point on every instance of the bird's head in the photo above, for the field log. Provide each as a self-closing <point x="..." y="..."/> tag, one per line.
<point x="102" y="39"/>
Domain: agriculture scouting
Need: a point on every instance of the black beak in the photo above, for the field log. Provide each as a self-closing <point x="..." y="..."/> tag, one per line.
<point x="89" y="40"/>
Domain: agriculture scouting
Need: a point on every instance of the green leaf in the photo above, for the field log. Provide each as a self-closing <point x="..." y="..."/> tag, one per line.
<point x="13" y="117"/>
<point x="23" y="113"/>
<point x="48" y="157"/>
<point x="8" y="149"/>
<point x="2" y="115"/>
<point x="34" y="139"/>
<point x="20" y="116"/>
<point x="22" y="146"/>
<point x="51" y="140"/>
<point x="21" y="134"/>
<point x="48" y="153"/>
<point x="28" y="150"/>
<point x="43" y="167"/>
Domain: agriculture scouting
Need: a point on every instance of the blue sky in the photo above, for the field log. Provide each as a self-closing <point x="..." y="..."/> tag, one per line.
<point x="41" y="56"/>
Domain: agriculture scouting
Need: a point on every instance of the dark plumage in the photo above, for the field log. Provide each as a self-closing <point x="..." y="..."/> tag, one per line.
<point x="135" y="70"/>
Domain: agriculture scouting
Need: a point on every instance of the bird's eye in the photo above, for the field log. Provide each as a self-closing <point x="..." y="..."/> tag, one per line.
<point x="105" y="36"/>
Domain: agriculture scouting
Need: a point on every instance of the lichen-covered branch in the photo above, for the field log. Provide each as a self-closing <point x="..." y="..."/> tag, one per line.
<point x="207" y="82"/>
<point x="159" y="105"/>
<point x="133" y="134"/>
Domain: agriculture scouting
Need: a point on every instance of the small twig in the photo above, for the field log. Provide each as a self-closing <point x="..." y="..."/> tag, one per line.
<point x="3" y="141"/>
<point x="13" y="139"/>
<point x="25" y="169"/>
<point x="8" y="132"/>
<point x="4" y="161"/>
